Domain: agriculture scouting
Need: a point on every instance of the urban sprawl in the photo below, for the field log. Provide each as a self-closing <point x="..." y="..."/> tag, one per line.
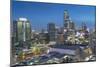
<point x="67" y="44"/>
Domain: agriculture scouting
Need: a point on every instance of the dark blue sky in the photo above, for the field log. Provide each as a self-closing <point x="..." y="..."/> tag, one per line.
<point x="40" y="14"/>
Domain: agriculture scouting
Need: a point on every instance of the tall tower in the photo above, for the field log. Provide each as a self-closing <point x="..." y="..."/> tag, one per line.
<point x="69" y="26"/>
<point x="23" y="29"/>
<point x="52" y="31"/>
<point x="14" y="31"/>
<point x="72" y="25"/>
<point x="68" y="23"/>
<point x="66" y="19"/>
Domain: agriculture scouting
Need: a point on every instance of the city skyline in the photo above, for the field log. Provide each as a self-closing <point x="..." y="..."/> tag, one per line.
<point x="51" y="33"/>
<point x="47" y="13"/>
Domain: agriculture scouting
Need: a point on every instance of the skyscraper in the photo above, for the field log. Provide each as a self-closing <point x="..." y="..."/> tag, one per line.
<point x="52" y="31"/>
<point x="72" y="25"/>
<point x="69" y="26"/>
<point x="60" y="38"/>
<point x="14" y="31"/>
<point x="23" y="29"/>
<point x="68" y="23"/>
<point x="66" y="19"/>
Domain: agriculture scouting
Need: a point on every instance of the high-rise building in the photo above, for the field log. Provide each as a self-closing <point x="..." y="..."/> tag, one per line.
<point x="13" y="39"/>
<point x="72" y="25"/>
<point x="23" y="29"/>
<point x="66" y="19"/>
<point x="14" y="31"/>
<point x="60" y="38"/>
<point x="43" y="37"/>
<point x="51" y="31"/>
<point x="68" y="24"/>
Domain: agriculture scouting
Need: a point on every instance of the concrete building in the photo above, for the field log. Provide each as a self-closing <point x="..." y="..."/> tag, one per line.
<point x="66" y="19"/>
<point x="23" y="29"/>
<point x="60" y="39"/>
<point x="51" y="32"/>
<point x="71" y="51"/>
<point x="69" y="26"/>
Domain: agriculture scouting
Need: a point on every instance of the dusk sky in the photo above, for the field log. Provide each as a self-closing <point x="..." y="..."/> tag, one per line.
<point x="40" y="14"/>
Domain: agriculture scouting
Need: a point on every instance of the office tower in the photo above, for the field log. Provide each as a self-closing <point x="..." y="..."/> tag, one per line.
<point x="60" y="30"/>
<point x="68" y="23"/>
<point x="43" y="37"/>
<point x="60" y="35"/>
<point x="51" y="31"/>
<point x="72" y="25"/>
<point x="66" y="19"/>
<point x="23" y="29"/>
<point x="14" y="31"/>
<point x="13" y="39"/>
<point x="60" y="38"/>
<point x="32" y="34"/>
<point x="85" y="30"/>
<point x="69" y="26"/>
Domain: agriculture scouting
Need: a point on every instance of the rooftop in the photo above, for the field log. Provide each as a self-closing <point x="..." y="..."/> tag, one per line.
<point x="63" y="46"/>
